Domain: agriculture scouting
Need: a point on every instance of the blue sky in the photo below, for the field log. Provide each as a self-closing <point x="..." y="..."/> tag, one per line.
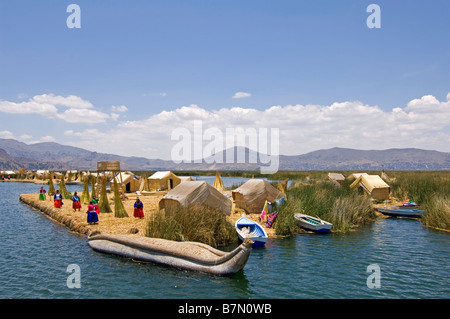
<point x="140" y="60"/>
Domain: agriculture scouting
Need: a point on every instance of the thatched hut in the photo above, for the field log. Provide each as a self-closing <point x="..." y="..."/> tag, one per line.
<point x="163" y="180"/>
<point x="338" y="177"/>
<point x="373" y="185"/>
<point x="128" y="181"/>
<point x="196" y="193"/>
<point x="252" y="195"/>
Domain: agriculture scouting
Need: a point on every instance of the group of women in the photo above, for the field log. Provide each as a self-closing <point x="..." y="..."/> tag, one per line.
<point x="93" y="209"/>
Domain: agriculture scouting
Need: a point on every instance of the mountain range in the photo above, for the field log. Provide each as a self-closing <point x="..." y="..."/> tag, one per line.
<point x="54" y="156"/>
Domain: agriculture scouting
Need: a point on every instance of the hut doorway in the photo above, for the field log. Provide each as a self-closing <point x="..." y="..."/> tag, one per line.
<point x="128" y="187"/>
<point x="171" y="183"/>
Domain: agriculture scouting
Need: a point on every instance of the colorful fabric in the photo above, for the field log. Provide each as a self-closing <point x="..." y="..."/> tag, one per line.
<point x="42" y="196"/>
<point x="138" y="212"/>
<point x="92" y="217"/>
<point x="57" y="203"/>
<point x="138" y="209"/>
<point x="271" y="219"/>
<point x="76" y="202"/>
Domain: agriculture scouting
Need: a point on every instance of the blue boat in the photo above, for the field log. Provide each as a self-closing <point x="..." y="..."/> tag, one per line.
<point x="247" y="228"/>
<point x="397" y="211"/>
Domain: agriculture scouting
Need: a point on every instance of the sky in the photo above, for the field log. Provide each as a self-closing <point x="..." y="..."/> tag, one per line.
<point x="134" y="74"/>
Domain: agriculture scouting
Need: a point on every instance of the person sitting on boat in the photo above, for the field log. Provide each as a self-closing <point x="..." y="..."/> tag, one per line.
<point x="92" y="216"/>
<point x="42" y="192"/>
<point x="76" y="202"/>
<point x="57" y="199"/>
<point x="138" y="209"/>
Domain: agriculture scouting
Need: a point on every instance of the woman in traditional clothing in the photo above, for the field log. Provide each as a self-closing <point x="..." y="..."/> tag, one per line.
<point x="138" y="209"/>
<point x="76" y="202"/>
<point x="57" y="199"/>
<point x="92" y="216"/>
<point x="42" y="192"/>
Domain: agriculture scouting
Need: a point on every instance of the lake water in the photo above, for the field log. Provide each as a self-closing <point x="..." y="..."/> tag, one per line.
<point x="35" y="252"/>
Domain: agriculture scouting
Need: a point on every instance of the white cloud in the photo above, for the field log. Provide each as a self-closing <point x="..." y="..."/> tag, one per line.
<point x="48" y="138"/>
<point x="70" y="101"/>
<point x="71" y="109"/>
<point x="423" y="123"/>
<point x="25" y="137"/>
<point x="121" y="108"/>
<point x="240" y="95"/>
<point x="6" y="134"/>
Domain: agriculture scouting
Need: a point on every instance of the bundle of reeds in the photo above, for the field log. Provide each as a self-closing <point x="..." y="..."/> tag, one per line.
<point x="103" y="204"/>
<point x="93" y="193"/>
<point x="85" y="194"/>
<point x="63" y="190"/>
<point x="119" y="209"/>
<point x="51" y="187"/>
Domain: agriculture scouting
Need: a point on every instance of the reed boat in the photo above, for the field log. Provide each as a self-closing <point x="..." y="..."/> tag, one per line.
<point x="312" y="223"/>
<point x="249" y="229"/>
<point x="191" y="256"/>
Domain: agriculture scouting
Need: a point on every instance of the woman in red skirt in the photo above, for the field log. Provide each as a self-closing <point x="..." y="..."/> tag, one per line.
<point x="57" y="199"/>
<point x="138" y="209"/>
<point x="76" y="202"/>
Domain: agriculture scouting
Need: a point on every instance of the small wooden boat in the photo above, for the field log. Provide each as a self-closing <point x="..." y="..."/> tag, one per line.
<point x="247" y="228"/>
<point x="313" y="223"/>
<point x="181" y="255"/>
<point x="401" y="211"/>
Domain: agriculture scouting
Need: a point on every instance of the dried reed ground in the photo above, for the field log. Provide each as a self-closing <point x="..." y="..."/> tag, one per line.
<point x="108" y="224"/>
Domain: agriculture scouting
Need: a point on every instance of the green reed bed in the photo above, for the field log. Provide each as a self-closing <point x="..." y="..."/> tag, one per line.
<point x="431" y="189"/>
<point x="200" y="224"/>
<point x="339" y="204"/>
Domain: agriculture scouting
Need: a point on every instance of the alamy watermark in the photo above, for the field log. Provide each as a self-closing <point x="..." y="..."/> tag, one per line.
<point x="374" y="279"/>
<point x="74" y="19"/>
<point x="227" y="147"/>
<point x="74" y="279"/>
<point x="374" y="19"/>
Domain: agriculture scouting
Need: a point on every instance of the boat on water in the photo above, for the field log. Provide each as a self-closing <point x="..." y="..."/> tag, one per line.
<point x="313" y="223"/>
<point x="192" y="256"/>
<point x="401" y="211"/>
<point x="249" y="229"/>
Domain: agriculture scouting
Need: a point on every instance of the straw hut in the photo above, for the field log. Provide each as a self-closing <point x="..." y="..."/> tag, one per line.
<point x="185" y="178"/>
<point x="196" y="193"/>
<point x="128" y="181"/>
<point x="356" y="175"/>
<point x="163" y="180"/>
<point x="42" y="174"/>
<point x="373" y="185"/>
<point x="338" y="177"/>
<point x="218" y="184"/>
<point x="252" y="195"/>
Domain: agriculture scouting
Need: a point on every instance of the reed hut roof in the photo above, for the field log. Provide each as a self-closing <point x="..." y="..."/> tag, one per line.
<point x="198" y="193"/>
<point x="252" y="195"/>
<point x="163" y="180"/>
<point x="335" y="176"/>
<point x="373" y="185"/>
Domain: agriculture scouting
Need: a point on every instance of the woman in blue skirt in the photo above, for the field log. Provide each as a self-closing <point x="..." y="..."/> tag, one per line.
<point x="92" y="217"/>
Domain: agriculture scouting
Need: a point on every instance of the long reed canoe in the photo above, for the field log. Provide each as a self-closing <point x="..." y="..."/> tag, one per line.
<point x="192" y="256"/>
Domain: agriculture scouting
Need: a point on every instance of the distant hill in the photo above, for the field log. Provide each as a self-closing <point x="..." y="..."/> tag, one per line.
<point x="54" y="156"/>
<point x="351" y="159"/>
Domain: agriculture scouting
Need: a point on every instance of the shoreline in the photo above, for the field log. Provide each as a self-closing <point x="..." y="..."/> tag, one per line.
<point x="108" y="223"/>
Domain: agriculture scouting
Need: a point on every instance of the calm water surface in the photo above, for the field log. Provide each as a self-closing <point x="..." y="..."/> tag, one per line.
<point x="35" y="253"/>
